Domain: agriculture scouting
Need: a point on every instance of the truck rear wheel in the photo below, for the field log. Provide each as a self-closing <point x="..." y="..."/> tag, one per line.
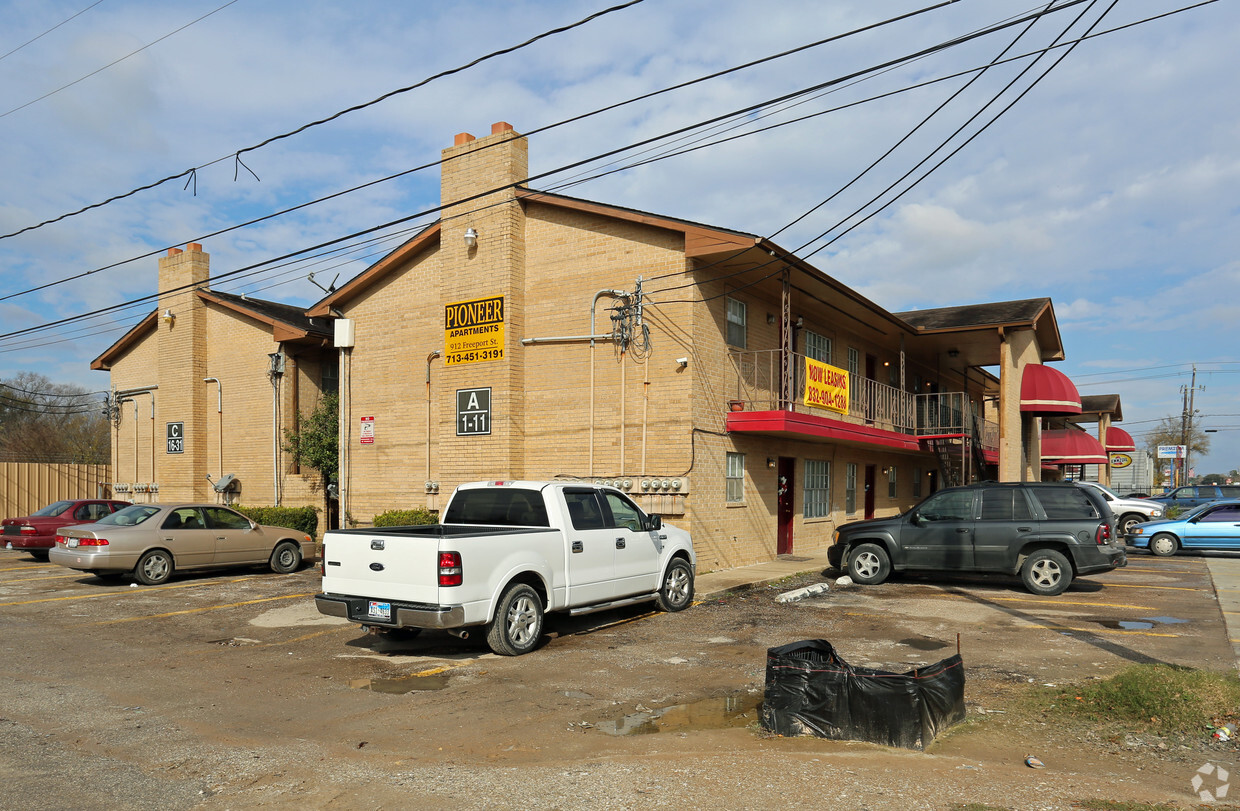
<point x="1046" y="572"/>
<point x="518" y="621"/>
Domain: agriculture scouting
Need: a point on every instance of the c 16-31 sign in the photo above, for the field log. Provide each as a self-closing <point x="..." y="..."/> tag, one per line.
<point x="473" y="331"/>
<point x="826" y="386"/>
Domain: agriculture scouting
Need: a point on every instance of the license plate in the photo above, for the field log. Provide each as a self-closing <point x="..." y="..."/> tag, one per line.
<point x="380" y="611"/>
<point x="71" y="542"/>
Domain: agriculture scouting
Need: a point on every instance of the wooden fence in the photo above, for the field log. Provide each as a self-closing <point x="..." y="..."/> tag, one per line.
<point x="26" y="487"/>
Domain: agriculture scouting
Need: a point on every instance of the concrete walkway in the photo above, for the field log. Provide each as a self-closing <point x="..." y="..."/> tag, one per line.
<point x="1225" y="572"/>
<point x="712" y="583"/>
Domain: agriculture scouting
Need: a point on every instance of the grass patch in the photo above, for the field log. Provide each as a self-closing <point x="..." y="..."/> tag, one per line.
<point x="1161" y="700"/>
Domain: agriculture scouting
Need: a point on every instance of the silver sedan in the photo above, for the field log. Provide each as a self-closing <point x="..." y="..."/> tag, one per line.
<point x="151" y="541"/>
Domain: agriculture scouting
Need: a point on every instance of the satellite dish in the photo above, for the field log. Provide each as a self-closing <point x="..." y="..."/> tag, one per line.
<point x="225" y="482"/>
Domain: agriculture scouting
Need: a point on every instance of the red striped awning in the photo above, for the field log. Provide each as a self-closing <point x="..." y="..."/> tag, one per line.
<point x="1072" y="446"/>
<point x="1119" y="440"/>
<point x="1044" y="390"/>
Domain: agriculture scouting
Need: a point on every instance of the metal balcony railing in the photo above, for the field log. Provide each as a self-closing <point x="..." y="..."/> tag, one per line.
<point x="760" y="377"/>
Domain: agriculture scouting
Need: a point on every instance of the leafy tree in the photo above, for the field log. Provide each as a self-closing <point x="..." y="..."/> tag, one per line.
<point x="42" y="421"/>
<point x="316" y="443"/>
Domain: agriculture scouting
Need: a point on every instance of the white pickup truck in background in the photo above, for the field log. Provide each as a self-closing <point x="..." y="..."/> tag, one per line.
<point x="506" y="554"/>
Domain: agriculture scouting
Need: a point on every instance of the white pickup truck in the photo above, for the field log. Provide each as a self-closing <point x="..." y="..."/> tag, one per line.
<point x="507" y="553"/>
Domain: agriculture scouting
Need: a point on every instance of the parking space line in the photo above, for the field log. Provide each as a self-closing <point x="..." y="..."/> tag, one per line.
<point x="1070" y="602"/>
<point x="46" y="577"/>
<point x="1163" y="571"/>
<point x="28" y="568"/>
<point x="201" y="610"/>
<point x="1064" y="628"/>
<point x="1142" y="586"/>
<point x="304" y="637"/>
<point x="121" y="593"/>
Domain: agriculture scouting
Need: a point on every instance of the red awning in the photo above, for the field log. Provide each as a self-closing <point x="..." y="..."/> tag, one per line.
<point x="1071" y="446"/>
<point x="1119" y="440"/>
<point x="1044" y="390"/>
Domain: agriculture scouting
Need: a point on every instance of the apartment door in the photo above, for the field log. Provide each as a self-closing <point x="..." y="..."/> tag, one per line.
<point x="869" y="490"/>
<point x="785" y="491"/>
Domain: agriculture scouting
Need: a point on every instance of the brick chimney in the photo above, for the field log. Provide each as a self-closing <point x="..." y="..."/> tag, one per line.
<point x="182" y="343"/>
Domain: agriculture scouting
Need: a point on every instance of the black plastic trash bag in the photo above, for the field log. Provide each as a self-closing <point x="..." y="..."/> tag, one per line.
<point x="810" y="690"/>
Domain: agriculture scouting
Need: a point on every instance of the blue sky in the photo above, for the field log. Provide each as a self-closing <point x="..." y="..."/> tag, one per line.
<point x="1110" y="186"/>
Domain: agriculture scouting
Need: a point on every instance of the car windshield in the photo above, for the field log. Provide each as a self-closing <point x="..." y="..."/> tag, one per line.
<point x="130" y="516"/>
<point x="1111" y="494"/>
<point x="1195" y="511"/>
<point x="54" y="509"/>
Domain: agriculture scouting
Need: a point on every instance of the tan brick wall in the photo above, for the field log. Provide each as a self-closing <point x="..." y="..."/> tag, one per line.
<point x="182" y="365"/>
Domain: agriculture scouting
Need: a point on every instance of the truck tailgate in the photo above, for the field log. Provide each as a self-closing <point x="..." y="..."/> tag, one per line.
<point x="387" y="567"/>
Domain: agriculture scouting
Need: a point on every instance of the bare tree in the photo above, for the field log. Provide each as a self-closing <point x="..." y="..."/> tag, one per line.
<point x="42" y="421"/>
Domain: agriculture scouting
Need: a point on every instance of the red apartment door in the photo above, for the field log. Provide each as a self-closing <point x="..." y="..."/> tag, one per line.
<point x="784" y="490"/>
<point x="869" y="491"/>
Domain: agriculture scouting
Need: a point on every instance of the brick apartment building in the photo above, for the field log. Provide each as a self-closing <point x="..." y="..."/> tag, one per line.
<point x="539" y="336"/>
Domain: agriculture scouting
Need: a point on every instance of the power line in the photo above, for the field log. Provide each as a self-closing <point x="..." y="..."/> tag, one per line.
<point x="256" y="267"/>
<point x="50" y="30"/>
<point x="237" y="155"/>
<point x="115" y="61"/>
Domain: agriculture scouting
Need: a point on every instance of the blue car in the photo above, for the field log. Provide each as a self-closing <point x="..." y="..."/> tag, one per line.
<point x="1211" y="526"/>
<point x="1194" y="495"/>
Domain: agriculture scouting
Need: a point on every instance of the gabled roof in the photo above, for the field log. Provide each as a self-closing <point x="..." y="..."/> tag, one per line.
<point x="362" y="281"/>
<point x="287" y="322"/>
<point x="126" y="342"/>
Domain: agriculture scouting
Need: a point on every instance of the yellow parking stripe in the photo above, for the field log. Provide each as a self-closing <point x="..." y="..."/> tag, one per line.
<point x="304" y="637"/>
<point x="200" y="610"/>
<point x="1140" y="586"/>
<point x="1164" y="571"/>
<point x="28" y="568"/>
<point x="1070" y="602"/>
<point x="48" y="577"/>
<point x="1064" y="628"/>
<point x="121" y="593"/>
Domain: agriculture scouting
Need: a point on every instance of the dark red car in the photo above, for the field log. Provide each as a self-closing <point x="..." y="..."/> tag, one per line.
<point x="37" y="532"/>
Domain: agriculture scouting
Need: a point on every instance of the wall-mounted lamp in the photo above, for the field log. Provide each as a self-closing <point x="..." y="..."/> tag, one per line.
<point x="770" y="318"/>
<point x="683" y="362"/>
<point x="952" y="353"/>
<point x="168" y="317"/>
<point x="471" y="238"/>
<point x="770" y="461"/>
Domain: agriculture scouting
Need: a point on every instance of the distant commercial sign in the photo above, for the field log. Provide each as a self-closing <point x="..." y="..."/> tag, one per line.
<point x="1172" y="451"/>
<point x="1119" y="460"/>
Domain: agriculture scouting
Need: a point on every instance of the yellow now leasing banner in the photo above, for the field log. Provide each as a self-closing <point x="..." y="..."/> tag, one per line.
<point x="473" y="331"/>
<point x="826" y="386"/>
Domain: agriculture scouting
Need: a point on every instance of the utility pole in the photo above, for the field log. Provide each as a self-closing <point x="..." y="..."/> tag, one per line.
<point x="1186" y="422"/>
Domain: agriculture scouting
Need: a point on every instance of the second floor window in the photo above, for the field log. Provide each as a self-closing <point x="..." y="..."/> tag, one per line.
<point x="737" y="319"/>
<point x="854" y="362"/>
<point x="818" y="347"/>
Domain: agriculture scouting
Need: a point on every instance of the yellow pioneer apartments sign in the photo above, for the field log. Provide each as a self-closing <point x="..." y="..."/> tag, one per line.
<point x="474" y="331"/>
<point x="826" y="386"/>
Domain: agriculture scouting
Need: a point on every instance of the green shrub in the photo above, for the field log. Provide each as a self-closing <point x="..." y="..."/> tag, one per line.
<point x="406" y="518"/>
<point x="1175" y="511"/>
<point x="302" y="519"/>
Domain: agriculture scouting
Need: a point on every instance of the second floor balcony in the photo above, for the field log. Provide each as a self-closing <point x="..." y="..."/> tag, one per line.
<point x="764" y="382"/>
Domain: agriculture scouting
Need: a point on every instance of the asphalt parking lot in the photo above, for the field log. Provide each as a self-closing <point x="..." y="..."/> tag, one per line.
<point x="228" y="689"/>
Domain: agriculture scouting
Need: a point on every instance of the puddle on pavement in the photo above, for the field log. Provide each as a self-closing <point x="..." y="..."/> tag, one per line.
<point x="920" y="643"/>
<point x="710" y="713"/>
<point x="1144" y="624"/>
<point x="403" y="684"/>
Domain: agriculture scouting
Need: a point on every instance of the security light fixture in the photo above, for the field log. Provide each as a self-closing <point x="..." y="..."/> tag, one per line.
<point x="471" y="238"/>
<point x="169" y="317"/>
<point x="683" y="362"/>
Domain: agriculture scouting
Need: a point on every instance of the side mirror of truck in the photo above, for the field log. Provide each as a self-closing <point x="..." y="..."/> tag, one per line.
<point x="653" y="523"/>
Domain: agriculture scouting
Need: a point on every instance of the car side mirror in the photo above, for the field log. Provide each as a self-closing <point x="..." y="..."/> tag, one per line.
<point x="654" y="523"/>
<point x="915" y="519"/>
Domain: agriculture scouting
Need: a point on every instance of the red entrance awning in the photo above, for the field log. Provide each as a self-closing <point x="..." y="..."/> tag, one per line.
<point x="1119" y="440"/>
<point x="1071" y="446"/>
<point x="1044" y="390"/>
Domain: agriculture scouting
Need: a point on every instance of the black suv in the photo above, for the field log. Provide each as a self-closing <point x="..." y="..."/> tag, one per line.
<point x="1046" y="533"/>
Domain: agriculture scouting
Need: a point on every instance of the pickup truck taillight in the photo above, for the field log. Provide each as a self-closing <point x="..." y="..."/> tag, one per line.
<point x="323" y="558"/>
<point x="450" y="572"/>
<point x="1103" y="534"/>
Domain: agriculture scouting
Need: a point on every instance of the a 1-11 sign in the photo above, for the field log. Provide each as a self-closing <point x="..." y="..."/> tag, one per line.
<point x="473" y="412"/>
